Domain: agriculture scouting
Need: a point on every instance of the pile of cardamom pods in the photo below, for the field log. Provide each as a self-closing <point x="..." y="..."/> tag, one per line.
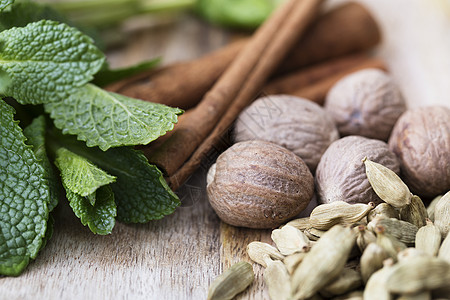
<point x="396" y="250"/>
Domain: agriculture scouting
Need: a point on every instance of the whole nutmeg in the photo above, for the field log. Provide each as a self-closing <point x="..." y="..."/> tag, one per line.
<point x="421" y="141"/>
<point x="341" y="175"/>
<point x="366" y="103"/>
<point x="258" y="184"/>
<point x="295" y="123"/>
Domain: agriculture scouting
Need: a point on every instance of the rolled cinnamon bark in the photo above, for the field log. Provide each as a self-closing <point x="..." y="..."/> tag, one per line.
<point x="346" y="29"/>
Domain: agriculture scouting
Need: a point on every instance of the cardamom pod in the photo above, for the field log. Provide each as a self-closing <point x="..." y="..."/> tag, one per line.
<point x="404" y="231"/>
<point x="432" y="206"/>
<point x="347" y="281"/>
<point x="388" y="242"/>
<point x="409" y="253"/>
<point x="372" y="260"/>
<point x="376" y="287"/>
<point x="277" y="280"/>
<point x="428" y="239"/>
<point x="444" y="251"/>
<point x="384" y="210"/>
<point x="387" y="185"/>
<point x="442" y="214"/>
<point x="364" y="237"/>
<point x="418" y="274"/>
<point x="300" y="224"/>
<point x="324" y="262"/>
<point x="292" y="261"/>
<point x="325" y="216"/>
<point x="290" y="240"/>
<point x="258" y="252"/>
<point x="415" y="212"/>
<point x="231" y="282"/>
<point x="314" y="234"/>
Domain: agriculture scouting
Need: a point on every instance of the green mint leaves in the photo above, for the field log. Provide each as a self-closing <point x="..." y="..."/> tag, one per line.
<point x="24" y="195"/>
<point x="100" y="216"/>
<point x="79" y="175"/>
<point x="46" y="61"/>
<point x="140" y="191"/>
<point x="5" y="3"/>
<point x="35" y="134"/>
<point x="108" y="120"/>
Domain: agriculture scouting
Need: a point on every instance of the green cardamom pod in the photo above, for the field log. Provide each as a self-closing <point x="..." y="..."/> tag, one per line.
<point x="442" y="214"/>
<point x="428" y="239"/>
<point x="290" y="240"/>
<point x="231" y="282"/>
<point x="404" y="231"/>
<point x="277" y="280"/>
<point x="372" y="260"/>
<point x="415" y="212"/>
<point x="259" y="251"/>
<point x="324" y="262"/>
<point x="387" y="185"/>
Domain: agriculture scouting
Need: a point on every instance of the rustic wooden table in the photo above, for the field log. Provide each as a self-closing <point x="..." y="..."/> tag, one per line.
<point x="179" y="256"/>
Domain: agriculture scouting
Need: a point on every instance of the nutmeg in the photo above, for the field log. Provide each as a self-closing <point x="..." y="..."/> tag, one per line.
<point x="341" y="175"/>
<point x="295" y="123"/>
<point x="258" y="184"/>
<point x="421" y="140"/>
<point x="366" y="103"/>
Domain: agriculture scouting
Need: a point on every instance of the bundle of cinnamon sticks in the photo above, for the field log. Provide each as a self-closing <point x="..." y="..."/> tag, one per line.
<point x="296" y="51"/>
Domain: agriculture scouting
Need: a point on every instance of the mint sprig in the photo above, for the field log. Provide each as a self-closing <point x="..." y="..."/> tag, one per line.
<point x="46" y="61"/>
<point x="24" y="195"/>
<point x="106" y="119"/>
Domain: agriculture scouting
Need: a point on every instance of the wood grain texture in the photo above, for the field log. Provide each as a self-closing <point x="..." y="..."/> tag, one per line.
<point x="179" y="256"/>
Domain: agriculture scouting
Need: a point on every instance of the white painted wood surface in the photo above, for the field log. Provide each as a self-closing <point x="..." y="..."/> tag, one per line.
<point x="178" y="257"/>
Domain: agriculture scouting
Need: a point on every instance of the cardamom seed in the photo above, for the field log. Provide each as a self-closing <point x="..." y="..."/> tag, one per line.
<point x="387" y="185"/>
<point x="418" y="274"/>
<point x="388" y="242"/>
<point x="372" y="260"/>
<point x="404" y="231"/>
<point x="442" y="214"/>
<point x="364" y="237"/>
<point x="376" y="287"/>
<point x="444" y="250"/>
<point x="325" y="216"/>
<point x="258" y="252"/>
<point x="383" y="209"/>
<point x="231" y="282"/>
<point x="277" y="280"/>
<point x="292" y="261"/>
<point x="428" y="239"/>
<point x="300" y="224"/>
<point x="415" y="212"/>
<point x="324" y="262"/>
<point x="347" y="281"/>
<point x="432" y="206"/>
<point x="290" y="240"/>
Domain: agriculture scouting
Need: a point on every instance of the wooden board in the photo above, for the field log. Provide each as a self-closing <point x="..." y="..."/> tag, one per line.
<point x="179" y="256"/>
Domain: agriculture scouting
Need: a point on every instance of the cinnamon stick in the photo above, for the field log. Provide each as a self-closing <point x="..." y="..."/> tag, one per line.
<point x="343" y="30"/>
<point x="242" y="80"/>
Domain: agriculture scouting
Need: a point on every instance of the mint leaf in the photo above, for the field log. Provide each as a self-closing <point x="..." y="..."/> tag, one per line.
<point x="107" y="76"/>
<point x="140" y="191"/>
<point x="35" y="134"/>
<point x="108" y="120"/>
<point x="100" y="217"/>
<point x="47" y="61"/>
<point x="5" y="3"/>
<point x="79" y="175"/>
<point x="23" y="197"/>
